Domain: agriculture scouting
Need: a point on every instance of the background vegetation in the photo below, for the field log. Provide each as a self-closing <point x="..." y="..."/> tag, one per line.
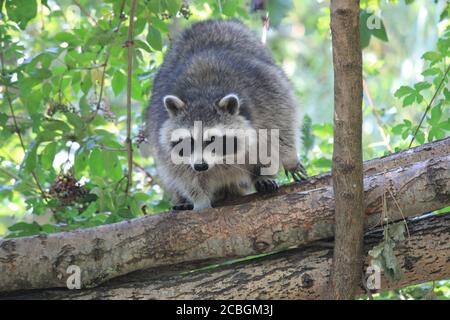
<point x="63" y="89"/>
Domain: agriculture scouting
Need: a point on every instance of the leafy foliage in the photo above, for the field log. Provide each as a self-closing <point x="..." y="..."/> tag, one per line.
<point x="63" y="158"/>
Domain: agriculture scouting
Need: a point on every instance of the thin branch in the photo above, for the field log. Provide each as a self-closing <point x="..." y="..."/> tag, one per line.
<point x="129" y="45"/>
<point x="104" y="65"/>
<point x="14" y="176"/>
<point x="147" y="174"/>
<point x="380" y="124"/>
<point x="16" y="126"/>
<point x="83" y="9"/>
<point x="105" y="148"/>
<point x="429" y="106"/>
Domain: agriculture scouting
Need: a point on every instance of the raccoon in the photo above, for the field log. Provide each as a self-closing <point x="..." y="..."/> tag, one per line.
<point x="219" y="75"/>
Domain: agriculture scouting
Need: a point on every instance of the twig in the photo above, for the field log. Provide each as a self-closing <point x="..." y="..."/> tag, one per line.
<point x="16" y="126"/>
<point x="105" y="148"/>
<point x="401" y="212"/>
<point x="104" y="65"/>
<point x="148" y="175"/>
<point x="429" y="106"/>
<point x="12" y="175"/>
<point x="380" y="124"/>
<point x="83" y="9"/>
<point x="129" y="45"/>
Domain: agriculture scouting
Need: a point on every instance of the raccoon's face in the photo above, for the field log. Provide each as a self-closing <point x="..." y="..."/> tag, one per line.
<point x="202" y="136"/>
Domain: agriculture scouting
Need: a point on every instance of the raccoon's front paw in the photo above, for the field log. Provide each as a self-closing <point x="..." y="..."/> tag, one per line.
<point x="298" y="173"/>
<point x="266" y="185"/>
<point x="183" y="206"/>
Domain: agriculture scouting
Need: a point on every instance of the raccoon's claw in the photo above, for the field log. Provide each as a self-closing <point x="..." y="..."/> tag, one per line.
<point x="266" y="186"/>
<point x="298" y="173"/>
<point x="183" y="206"/>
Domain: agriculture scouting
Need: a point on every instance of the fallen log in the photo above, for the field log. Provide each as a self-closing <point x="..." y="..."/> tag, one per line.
<point x="300" y="273"/>
<point x="272" y="224"/>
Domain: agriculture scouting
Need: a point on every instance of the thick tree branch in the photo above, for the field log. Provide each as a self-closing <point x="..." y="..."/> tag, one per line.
<point x="261" y="226"/>
<point x="301" y="273"/>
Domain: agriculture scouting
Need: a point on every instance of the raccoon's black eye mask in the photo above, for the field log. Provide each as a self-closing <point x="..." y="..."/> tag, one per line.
<point x="174" y="143"/>
<point x="229" y="144"/>
<point x="232" y="141"/>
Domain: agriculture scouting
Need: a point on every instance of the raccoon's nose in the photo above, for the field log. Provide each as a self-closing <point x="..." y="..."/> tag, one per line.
<point x="201" y="166"/>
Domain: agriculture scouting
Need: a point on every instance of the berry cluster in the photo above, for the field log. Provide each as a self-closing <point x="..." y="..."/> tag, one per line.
<point x="54" y="107"/>
<point x="185" y="11"/>
<point x="141" y="137"/>
<point x="67" y="190"/>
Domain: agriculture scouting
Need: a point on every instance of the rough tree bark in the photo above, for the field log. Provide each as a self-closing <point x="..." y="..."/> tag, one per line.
<point x="388" y="162"/>
<point x="347" y="168"/>
<point x="301" y="273"/>
<point x="262" y="226"/>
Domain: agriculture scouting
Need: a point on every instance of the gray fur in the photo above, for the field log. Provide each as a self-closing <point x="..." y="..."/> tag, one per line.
<point x="207" y="62"/>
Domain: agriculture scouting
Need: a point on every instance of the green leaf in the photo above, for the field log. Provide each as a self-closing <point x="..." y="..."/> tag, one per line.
<point x="96" y="162"/>
<point x="397" y="129"/>
<point x="75" y="120"/>
<point x="3" y="119"/>
<point x="436" y="114"/>
<point x="364" y="32"/>
<point x="278" y="9"/>
<point x="113" y="167"/>
<point x="48" y="155"/>
<point x="173" y="6"/>
<point x="409" y="100"/>
<point x="229" y="7"/>
<point x="23" y="229"/>
<point x="422" y="86"/>
<point x="81" y="161"/>
<point x="31" y="157"/>
<point x="431" y="56"/>
<point x="68" y="37"/>
<point x="380" y="31"/>
<point x="56" y="125"/>
<point x="431" y="72"/>
<point x="155" y="6"/>
<point x="403" y="90"/>
<point x="21" y="11"/>
<point x="154" y="38"/>
<point x="119" y="82"/>
<point x="86" y="84"/>
<point x="420" y="137"/>
<point x="447" y="94"/>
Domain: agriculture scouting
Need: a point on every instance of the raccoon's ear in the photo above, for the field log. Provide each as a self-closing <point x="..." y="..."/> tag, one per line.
<point x="173" y="104"/>
<point x="229" y="103"/>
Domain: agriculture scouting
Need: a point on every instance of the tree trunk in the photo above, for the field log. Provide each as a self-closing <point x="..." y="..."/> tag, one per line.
<point x="347" y="168"/>
<point x="260" y="226"/>
<point x="295" y="274"/>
